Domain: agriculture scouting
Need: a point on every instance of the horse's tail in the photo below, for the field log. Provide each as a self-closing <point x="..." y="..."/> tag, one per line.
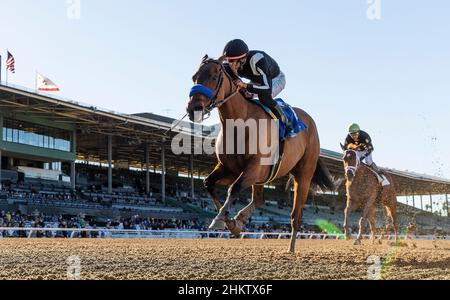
<point x="323" y="179"/>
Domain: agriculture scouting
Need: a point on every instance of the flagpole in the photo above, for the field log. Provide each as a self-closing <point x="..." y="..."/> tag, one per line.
<point x="6" y="66"/>
<point x="0" y="69"/>
<point x="35" y="80"/>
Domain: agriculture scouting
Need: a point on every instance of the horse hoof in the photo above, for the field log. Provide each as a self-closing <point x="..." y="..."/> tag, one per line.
<point x="357" y="243"/>
<point x="232" y="227"/>
<point x="236" y="231"/>
<point x="217" y="225"/>
<point x="235" y="226"/>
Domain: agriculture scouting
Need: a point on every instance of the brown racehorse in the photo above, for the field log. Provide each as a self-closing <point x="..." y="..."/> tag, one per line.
<point x="242" y="171"/>
<point x="364" y="191"/>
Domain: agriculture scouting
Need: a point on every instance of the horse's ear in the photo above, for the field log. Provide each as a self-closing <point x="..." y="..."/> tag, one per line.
<point x="222" y="59"/>
<point x="195" y="77"/>
<point x="205" y="58"/>
<point x="343" y="148"/>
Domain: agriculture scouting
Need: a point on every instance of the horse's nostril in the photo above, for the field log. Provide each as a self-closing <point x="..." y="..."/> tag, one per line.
<point x="198" y="108"/>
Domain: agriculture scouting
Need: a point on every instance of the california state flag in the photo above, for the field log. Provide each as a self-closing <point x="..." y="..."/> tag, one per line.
<point x="45" y="84"/>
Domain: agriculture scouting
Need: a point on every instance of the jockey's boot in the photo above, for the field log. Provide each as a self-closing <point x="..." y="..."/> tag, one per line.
<point x="282" y="117"/>
<point x="380" y="172"/>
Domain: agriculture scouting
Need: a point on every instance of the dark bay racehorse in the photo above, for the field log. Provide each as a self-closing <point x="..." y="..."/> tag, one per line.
<point x="365" y="191"/>
<point x="242" y="171"/>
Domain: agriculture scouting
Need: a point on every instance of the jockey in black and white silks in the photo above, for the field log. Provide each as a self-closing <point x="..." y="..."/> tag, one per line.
<point x="267" y="80"/>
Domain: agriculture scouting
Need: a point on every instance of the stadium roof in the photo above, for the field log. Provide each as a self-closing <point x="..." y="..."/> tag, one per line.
<point x="132" y="132"/>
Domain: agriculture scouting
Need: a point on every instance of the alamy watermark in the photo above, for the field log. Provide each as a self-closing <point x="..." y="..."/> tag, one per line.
<point x="238" y="137"/>
<point x="73" y="267"/>
<point x="73" y="9"/>
<point x="374" y="271"/>
<point x="374" y="10"/>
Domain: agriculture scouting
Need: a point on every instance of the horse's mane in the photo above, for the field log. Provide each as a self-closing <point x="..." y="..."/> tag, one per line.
<point x="353" y="147"/>
<point x="226" y="67"/>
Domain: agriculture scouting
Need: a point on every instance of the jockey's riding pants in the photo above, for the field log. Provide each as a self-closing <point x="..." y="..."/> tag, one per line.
<point x="278" y="85"/>
<point x="368" y="160"/>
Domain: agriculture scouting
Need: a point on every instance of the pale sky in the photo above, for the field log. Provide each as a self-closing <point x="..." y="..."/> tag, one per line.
<point x="390" y="75"/>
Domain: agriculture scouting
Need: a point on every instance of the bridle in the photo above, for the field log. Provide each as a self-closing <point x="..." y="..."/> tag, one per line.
<point x="207" y="92"/>
<point x="355" y="168"/>
<point x="201" y="89"/>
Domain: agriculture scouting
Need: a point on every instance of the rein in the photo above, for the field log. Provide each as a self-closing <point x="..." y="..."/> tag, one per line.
<point x="218" y="104"/>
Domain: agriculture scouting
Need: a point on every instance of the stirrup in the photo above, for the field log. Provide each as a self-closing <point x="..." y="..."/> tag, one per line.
<point x="385" y="181"/>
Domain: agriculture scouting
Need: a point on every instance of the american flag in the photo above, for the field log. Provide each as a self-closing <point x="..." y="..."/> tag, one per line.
<point x="10" y="62"/>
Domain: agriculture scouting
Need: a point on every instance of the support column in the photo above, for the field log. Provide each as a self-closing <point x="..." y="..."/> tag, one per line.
<point x="1" y="139"/>
<point x="147" y="169"/>
<point x="110" y="164"/>
<point x="163" y="170"/>
<point x="191" y="169"/>
<point x="1" y="170"/>
<point x="73" y="175"/>
<point x="431" y="202"/>
<point x="446" y="200"/>
<point x="421" y="202"/>
<point x="414" y="199"/>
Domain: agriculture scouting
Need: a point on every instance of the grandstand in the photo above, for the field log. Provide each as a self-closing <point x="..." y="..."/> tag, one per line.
<point x="63" y="157"/>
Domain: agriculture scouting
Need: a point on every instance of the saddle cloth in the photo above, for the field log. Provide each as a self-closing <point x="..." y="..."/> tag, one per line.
<point x="297" y="125"/>
<point x="383" y="181"/>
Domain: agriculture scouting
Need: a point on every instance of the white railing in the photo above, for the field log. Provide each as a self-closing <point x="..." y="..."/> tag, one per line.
<point x="124" y="233"/>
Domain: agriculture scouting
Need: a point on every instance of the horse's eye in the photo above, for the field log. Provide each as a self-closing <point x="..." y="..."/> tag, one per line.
<point x="215" y="78"/>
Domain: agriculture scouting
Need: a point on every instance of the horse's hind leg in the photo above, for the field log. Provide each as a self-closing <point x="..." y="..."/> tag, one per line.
<point x="390" y="210"/>
<point x="365" y="218"/>
<point x="246" y="213"/>
<point x="301" y="189"/>
<point x="372" y="225"/>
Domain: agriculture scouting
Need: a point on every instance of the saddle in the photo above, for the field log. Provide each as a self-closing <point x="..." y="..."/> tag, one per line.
<point x="297" y="124"/>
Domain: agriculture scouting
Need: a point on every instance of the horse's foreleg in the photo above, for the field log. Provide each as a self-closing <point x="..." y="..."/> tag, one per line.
<point x="220" y="176"/>
<point x="246" y="213"/>
<point x="347" y="212"/>
<point x="362" y="224"/>
<point x="248" y="178"/>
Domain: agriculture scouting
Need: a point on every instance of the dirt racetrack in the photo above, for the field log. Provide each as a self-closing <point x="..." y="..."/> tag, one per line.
<point x="219" y="259"/>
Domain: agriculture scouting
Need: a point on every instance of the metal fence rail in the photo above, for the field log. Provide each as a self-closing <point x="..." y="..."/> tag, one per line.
<point x="125" y="233"/>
